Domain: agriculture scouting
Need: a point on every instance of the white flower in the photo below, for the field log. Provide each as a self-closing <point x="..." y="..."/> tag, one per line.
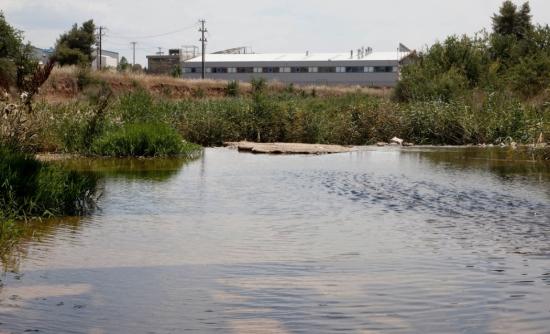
<point x="24" y="96"/>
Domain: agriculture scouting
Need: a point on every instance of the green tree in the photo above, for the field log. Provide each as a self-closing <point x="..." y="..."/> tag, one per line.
<point x="11" y="39"/>
<point x="16" y="61"/>
<point x="513" y="21"/>
<point x="75" y="47"/>
<point x="123" y="65"/>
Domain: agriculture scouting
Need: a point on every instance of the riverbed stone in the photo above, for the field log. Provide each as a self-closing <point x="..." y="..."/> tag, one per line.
<point x="288" y="148"/>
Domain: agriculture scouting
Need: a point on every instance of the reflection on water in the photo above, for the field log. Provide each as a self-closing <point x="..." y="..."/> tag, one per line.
<point x="379" y="240"/>
<point x="158" y="169"/>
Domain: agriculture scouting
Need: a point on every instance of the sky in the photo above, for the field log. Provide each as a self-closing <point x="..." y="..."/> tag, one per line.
<point x="262" y="25"/>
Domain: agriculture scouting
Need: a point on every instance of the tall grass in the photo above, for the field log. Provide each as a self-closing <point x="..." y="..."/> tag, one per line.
<point x="474" y="117"/>
<point x="9" y="231"/>
<point x="29" y="188"/>
<point x="142" y="139"/>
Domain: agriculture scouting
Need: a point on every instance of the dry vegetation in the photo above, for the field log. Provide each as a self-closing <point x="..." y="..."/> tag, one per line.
<point x="63" y="85"/>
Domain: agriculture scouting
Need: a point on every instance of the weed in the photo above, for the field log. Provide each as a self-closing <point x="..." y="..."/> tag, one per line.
<point x="142" y="139"/>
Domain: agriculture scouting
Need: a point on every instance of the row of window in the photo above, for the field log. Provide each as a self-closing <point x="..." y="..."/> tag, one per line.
<point x="300" y="69"/>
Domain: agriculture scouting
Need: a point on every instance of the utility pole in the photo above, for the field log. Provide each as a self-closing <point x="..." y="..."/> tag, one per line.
<point x="99" y="53"/>
<point x="203" y="40"/>
<point x="134" y="54"/>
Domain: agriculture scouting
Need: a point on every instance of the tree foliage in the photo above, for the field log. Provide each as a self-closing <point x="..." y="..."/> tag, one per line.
<point x="513" y="21"/>
<point x="16" y="61"/>
<point x="515" y="57"/>
<point x="75" y="47"/>
<point x="123" y="65"/>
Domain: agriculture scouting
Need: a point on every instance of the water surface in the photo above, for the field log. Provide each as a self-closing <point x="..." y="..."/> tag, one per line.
<point x="379" y="240"/>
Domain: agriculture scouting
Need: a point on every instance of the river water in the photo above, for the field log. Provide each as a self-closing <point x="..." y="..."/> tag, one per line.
<point x="375" y="241"/>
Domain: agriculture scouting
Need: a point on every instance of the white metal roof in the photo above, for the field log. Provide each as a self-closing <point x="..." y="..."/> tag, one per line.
<point x="296" y="57"/>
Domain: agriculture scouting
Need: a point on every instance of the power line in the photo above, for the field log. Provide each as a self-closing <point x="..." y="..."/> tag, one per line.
<point x="157" y="35"/>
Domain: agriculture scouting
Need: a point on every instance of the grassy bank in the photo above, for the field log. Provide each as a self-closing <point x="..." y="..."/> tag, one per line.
<point x="137" y="118"/>
<point x="32" y="189"/>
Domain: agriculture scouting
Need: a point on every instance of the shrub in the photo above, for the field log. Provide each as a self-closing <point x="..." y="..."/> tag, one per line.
<point x="232" y="88"/>
<point x="134" y="107"/>
<point x="142" y="139"/>
<point x="84" y="78"/>
<point x="31" y="188"/>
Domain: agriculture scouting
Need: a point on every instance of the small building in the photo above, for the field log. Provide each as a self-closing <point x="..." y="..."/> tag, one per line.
<point x="365" y="68"/>
<point x="165" y="64"/>
<point x="109" y="59"/>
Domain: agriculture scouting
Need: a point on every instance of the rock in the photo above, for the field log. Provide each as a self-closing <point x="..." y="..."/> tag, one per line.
<point x="502" y="145"/>
<point x="288" y="148"/>
<point x="396" y="140"/>
<point x="408" y="144"/>
<point x="381" y="144"/>
<point x="514" y="145"/>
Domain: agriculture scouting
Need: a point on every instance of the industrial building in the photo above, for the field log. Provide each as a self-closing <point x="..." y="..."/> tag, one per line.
<point x="165" y="64"/>
<point x="109" y="59"/>
<point x="366" y="68"/>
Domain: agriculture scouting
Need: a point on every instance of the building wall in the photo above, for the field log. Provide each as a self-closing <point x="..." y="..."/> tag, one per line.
<point x="108" y="59"/>
<point x="377" y="79"/>
<point x="162" y="64"/>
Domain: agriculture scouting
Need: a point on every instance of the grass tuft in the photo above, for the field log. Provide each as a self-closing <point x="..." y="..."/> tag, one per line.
<point x="143" y="139"/>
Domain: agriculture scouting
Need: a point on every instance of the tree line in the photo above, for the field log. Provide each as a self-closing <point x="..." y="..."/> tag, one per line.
<point x="513" y="57"/>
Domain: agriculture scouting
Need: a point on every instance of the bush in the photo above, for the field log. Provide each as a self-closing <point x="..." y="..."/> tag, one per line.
<point x="514" y="57"/>
<point x="136" y="107"/>
<point x="31" y="188"/>
<point x="142" y="139"/>
<point x="232" y="89"/>
<point x="84" y="78"/>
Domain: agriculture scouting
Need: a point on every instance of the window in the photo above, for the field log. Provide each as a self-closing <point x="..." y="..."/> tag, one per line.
<point x="285" y="69"/>
<point x="383" y="69"/>
<point x="355" y="69"/>
<point x="270" y="70"/>
<point x="245" y="69"/>
<point x="190" y="70"/>
<point x="299" y="69"/>
<point x="231" y="70"/>
<point x="340" y="69"/>
<point x="257" y="70"/>
<point x="327" y="69"/>
<point x="219" y="69"/>
<point x="369" y="69"/>
<point x="313" y="69"/>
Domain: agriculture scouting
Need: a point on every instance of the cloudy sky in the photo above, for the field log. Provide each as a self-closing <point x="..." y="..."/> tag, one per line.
<point x="264" y="25"/>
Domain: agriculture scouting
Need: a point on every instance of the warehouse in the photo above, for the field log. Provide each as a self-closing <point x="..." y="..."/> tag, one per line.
<point x="109" y="59"/>
<point x="366" y="68"/>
